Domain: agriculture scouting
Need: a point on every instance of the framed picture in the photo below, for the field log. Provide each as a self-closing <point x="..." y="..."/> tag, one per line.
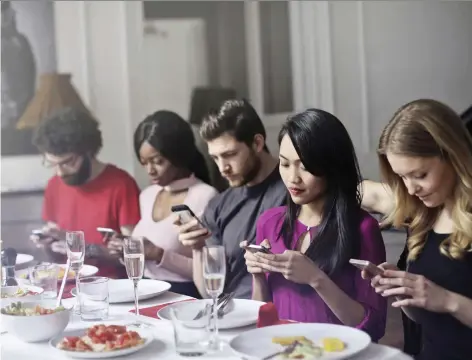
<point x="28" y="50"/>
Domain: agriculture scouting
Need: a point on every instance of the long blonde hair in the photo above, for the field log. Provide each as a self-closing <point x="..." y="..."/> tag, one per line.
<point x="428" y="128"/>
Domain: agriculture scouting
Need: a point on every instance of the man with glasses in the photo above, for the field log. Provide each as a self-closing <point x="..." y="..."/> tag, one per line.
<point x="85" y="193"/>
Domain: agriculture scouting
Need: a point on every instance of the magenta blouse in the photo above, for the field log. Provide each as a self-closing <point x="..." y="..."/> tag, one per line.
<point x="301" y="302"/>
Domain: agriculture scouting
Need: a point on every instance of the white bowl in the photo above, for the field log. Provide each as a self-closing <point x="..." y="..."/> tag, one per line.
<point x="11" y="290"/>
<point x="37" y="328"/>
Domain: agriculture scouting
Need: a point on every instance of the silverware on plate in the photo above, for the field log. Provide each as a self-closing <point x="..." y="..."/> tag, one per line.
<point x="221" y="305"/>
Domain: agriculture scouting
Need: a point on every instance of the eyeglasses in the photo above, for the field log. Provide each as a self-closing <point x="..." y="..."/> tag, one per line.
<point x="66" y="163"/>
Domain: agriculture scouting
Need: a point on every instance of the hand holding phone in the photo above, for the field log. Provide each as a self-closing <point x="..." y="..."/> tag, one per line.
<point x="185" y="214"/>
<point x="367" y="266"/>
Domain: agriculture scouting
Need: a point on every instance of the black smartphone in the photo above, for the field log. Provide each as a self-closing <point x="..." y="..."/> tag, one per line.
<point x="39" y="233"/>
<point x="186" y="214"/>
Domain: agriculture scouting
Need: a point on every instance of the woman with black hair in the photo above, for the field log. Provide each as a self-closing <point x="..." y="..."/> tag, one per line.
<point x="308" y="276"/>
<point x="165" y="146"/>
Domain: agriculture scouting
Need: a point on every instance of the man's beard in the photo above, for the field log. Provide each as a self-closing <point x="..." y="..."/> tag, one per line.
<point x="250" y="170"/>
<point x="81" y="176"/>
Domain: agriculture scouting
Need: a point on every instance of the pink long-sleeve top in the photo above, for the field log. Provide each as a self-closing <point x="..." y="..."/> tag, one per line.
<point x="301" y="302"/>
<point x="176" y="263"/>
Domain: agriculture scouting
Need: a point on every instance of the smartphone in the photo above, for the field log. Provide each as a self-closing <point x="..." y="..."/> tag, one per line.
<point x="258" y="248"/>
<point x="39" y="233"/>
<point x="107" y="233"/>
<point x="186" y="214"/>
<point x="367" y="266"/>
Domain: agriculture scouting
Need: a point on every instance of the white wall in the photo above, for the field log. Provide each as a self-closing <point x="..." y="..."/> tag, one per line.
<point x="99" y="43"/>
<point x="367" y="60"/>
<point x="386" y="54"/>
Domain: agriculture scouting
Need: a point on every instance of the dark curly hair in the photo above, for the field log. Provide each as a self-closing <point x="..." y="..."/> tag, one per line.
<point x="69" y="131"/>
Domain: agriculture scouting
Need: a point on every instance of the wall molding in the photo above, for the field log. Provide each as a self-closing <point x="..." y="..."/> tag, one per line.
<point x="84" y="37"/>
<point x="364" y="90"/>
<point x="253" y="55"/>
<point x="312" y="54"/>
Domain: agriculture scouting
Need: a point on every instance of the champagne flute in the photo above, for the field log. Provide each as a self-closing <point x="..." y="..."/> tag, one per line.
<point x="214" y="274"/>
<point x="75" y="244"/>
<point x="133" y="251"/>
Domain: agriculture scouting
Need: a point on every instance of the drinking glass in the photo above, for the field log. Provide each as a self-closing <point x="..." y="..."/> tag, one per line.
<point x="190" y="334"/>
<point x="94" y="298"/>
<point x="75" y="244"/>
<point x="214" y="274"/>
<point x="133" y="251"/>
<point x="45" y="276"/>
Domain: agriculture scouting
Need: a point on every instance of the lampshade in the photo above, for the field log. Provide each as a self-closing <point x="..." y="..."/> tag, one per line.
<point x="55" y="92"/>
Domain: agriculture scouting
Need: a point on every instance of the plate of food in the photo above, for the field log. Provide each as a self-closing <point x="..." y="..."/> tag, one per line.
<point x="301" y="341"/>
<point x="101" y="341"/>
<point x="11" y="294"/>
<point x="86" y="271"/>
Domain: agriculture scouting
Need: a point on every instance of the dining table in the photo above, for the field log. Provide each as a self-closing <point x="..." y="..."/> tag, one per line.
<point x="162" y="347"/>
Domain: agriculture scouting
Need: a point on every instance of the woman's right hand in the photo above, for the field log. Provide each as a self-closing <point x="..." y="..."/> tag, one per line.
<point x="252" y="263"/>
<point x="375" y="281"/>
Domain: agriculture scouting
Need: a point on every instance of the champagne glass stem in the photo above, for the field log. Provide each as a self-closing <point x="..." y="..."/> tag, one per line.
<point x="136" y="308"/>
<point x="77" y="291"/>
<point x="214" y="324"/>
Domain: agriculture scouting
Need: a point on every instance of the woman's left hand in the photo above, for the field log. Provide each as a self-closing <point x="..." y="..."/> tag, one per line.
<point x="415" y="290"/>
<point x="293" y="265"/>
<point x="151" y="251"/>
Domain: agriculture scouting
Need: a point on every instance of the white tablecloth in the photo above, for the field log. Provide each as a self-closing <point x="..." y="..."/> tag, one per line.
<point x="162" y="347"/>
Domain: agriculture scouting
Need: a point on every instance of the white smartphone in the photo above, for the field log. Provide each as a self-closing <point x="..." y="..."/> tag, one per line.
<point x="106" y="231"/>
<point x="258" y="248"/>
<point x="367" y="266"/>
<point x="186" y="214"/>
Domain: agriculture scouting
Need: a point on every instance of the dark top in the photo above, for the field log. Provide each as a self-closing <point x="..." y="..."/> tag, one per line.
<point x="231" y="218"/>
<point x="411" y="330"/>
<point x="444" y="337"/>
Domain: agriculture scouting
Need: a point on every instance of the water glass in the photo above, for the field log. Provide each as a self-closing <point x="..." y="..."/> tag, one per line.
<point x="93" y="298"/>
<point x="45" y="276"/>
<point x="192" y="337"/>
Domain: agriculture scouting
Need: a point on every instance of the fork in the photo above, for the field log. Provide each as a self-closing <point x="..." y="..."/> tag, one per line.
<point x="204" y="311"/>
<point x="287" y="351"/>
<point x="224" y="304"/>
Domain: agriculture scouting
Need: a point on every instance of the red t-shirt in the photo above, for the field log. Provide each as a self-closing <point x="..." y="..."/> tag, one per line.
<point x="110" y="200"/>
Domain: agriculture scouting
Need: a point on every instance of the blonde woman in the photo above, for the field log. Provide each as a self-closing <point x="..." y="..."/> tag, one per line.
<point x="425" y="157"/>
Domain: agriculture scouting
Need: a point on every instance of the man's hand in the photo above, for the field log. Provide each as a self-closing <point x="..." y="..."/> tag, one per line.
<point x="192" y="234"/>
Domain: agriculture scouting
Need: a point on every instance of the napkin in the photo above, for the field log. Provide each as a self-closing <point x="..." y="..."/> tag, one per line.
<point x="268" y="315"/>
<point x="67" y="288"/>
<point x="152" y="311"/>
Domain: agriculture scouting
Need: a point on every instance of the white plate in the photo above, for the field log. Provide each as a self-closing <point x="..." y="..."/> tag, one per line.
<point x="86" y="271"/>
<point x="22" y="259"/>
<point x="241" y="312"/>
<point x="104" y="354"/>
<point x="9" y="290"/>
<point x="245" y="346"/>
<point x="122" y="291"/>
